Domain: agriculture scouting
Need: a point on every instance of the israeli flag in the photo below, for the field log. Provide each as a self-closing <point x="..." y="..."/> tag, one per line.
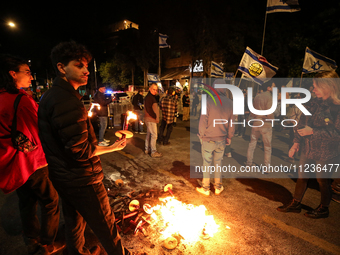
<point x="282" y="6"/>
<point x="315" y="62"/>
<point x="257" y="67"/>
<point x="162" y="41"/>
<point x="216" y="70"/>
<point x="152" y="77"/>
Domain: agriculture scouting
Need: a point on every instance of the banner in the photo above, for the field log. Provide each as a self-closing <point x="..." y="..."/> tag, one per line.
<point x="315" y="62"/>
<point x="162" y="41"/>
<point x="256" y="67"/>
<point x="282" y="6"/>
<point x="216" y="70"/>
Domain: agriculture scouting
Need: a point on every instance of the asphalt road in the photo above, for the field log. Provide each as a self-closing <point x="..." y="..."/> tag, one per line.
<point x="245" y="211"/>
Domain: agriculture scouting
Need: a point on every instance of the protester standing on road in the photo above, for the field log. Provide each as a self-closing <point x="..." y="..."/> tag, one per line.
<point x="186" y="106"/>
<point x="169" y="108"/>
<point x="151" y="118"/>
<point x="103" y="100"/>
<point x="72" y="153"/>
<point x="262" y="101"/>
<point x="214" y="139"/>
<point x="318" y="138"/>
<point x="195" y="102"/>
<point x="23" y="165"/>
<point x="138" y="106"/>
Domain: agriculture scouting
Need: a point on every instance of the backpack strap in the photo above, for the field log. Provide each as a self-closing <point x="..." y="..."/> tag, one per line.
<point x="14" y="123"/>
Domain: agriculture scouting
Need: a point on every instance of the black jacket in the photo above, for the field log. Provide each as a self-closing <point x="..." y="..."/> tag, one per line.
<point x="67" y="137"/>
<point x="138" y="101"/>
<point x="104" y="101"/>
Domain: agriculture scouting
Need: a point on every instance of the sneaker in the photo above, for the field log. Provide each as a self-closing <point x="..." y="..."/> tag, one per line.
<point x="147" y="152"/>
<point x="318" y="213"/>
<point x="219" y="191"/>
<point x="228" y="154"/>
<point x="336" y="198"/>
<point x="203" y="191"/>
<point x="166" y="143"/>
<point x="107" y="141"/>
<point x="294" y="207"/>
<point x="142" y="133"/>
<point x="156" y="154"/>
<point x="103" y="144"/>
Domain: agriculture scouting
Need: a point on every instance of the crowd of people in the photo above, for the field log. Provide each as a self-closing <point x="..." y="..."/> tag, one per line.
<point x="315" y="137"/>
<point x="51" y="151"/>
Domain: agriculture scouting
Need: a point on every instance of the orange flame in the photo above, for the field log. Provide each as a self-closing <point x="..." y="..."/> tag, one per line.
<point x="131" y="116"/>
<point x="90" y="112"/>
<point x="187" y="220"/>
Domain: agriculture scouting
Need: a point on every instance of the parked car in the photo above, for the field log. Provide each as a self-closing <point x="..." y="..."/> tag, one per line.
<point x="121" y="97"/>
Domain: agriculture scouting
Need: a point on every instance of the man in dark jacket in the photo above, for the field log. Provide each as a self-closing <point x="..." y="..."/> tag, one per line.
<point x="72" y="153"/>
<point x="138" y="107"/>
<point x="103" y="100"/>
<point x="151" y="120"/>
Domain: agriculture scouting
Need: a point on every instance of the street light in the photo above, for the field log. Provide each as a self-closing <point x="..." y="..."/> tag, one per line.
<point x="11" y="24"/>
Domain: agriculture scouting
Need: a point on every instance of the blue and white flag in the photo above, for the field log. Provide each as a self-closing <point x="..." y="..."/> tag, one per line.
<point x="282" y="6"/>
<point x="162" y="41"/>
<point x="315" y="62"/>
<point x="152" y="77"/>
<point x="216" y="70"/>
<point x="257" y="67"/>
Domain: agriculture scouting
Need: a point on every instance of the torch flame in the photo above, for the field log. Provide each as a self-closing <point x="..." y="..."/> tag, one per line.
<point x="90" y="112"/>
<point x="131" y="116"/>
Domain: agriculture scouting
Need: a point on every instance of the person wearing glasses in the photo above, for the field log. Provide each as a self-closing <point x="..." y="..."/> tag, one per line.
<point x="23" y="166"/>
<point x="151" y="119"/>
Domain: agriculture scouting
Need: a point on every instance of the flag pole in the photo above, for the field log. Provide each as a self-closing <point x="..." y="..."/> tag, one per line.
<point x="159" y="62"/>
<point x="264" y="33"/>
<point x="301" y="80"/>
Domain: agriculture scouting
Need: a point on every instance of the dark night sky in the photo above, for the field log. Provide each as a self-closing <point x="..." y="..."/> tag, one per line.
<point x="42" y="26"/>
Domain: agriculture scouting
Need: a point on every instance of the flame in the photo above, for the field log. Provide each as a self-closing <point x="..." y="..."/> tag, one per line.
<point x="90" y="112"/>
<point x="131" y="116"/>
<point x="187" y="220"/>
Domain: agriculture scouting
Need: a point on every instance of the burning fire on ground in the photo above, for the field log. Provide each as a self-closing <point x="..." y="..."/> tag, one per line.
<point x="174" y="217"/>
<point x="171" y="220"/>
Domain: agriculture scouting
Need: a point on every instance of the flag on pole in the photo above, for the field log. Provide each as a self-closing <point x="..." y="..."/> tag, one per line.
<point x="216" y="70"/>
<point x="162" y="41"/>
<point x="315" y="62"/>
<point x="152" y="77"/>
<point x="257" y="67"/>
<point x="282" y="6"/>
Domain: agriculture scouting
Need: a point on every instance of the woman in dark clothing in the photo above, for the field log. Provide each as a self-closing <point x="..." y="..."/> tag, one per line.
<point x="318" y="137"/>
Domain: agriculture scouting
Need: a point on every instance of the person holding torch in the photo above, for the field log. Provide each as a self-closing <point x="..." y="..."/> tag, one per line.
<point x="72" y="153"/>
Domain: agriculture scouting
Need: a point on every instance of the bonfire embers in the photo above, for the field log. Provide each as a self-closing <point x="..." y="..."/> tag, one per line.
<point x="172" y="220"/>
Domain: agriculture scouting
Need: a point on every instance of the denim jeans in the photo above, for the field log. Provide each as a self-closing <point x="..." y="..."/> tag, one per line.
<point x="321" y="177"/>
<point x="102" y="129"/>
<point x="39" y="188"/>
<point x="266" y="133"/>
<point x="212" y="151"/>
<point x="140" y="117"/>
<point x="89" y="205"/>
<point x="151" y="136"/>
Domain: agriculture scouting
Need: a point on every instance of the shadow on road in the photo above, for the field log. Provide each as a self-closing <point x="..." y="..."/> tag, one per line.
<point x="180" y="169"/>
<point x="267" y="189"/>
<point x="10" y="217"/>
